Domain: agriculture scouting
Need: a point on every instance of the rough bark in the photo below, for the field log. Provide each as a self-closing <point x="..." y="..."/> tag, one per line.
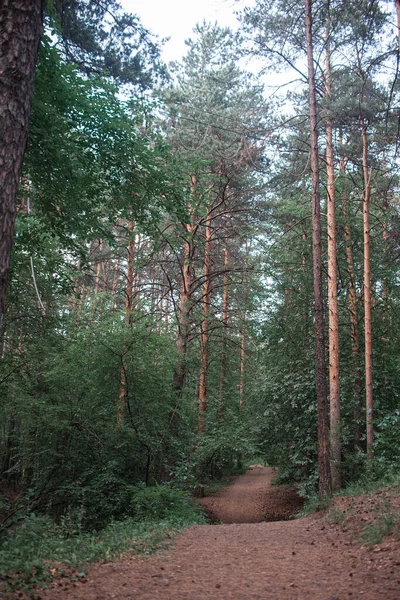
<point x="20" y="31"/>
<point x="334" y="367"/>
<point x="204" y="327"/>
<point x="367" y="293"/>
<point x="321" y="388"/>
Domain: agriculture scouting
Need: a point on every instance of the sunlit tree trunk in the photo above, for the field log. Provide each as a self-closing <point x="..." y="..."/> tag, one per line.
<point x="20" y="30"/>
<point x="204" y="327"/>
<point x="334" y="374"/>
<point x="367" y="293"/>
<point x="321" y="388"/>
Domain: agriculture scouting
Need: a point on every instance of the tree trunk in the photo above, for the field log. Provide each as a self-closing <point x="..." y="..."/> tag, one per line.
<point x="185" y="300"/>
<point x="20" y="30"/>
<point x="385" y="290"/>
<point x="204" y="328"/>
<point x="334" y="374"/>
<point x="397" y="5"/>
<point x="367" y="294"/>
<point x="354" y="331"/>
<point x="130" y="274"/>
<point x="321" y="389"/>
<point x="99" y="268"/>
<point x="242" y="365"/>
<point x="128" y="312"/>
<point x="225" y="305"/>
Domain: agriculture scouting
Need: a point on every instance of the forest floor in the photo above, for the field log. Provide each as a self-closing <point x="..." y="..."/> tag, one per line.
<point x="258" y="554"/>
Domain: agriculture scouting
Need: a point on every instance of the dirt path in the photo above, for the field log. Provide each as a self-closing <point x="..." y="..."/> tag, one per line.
<point x="305" y="559"/>
<point x="252" y="499"/>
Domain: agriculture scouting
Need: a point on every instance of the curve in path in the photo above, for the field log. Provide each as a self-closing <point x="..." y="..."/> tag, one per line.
<point x="252" y="498"/>
<point x="302" y="559"/>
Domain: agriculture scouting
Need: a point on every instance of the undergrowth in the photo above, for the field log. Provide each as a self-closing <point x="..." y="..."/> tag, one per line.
<point x="375" y="532"/>
<point x="36" y="549"/>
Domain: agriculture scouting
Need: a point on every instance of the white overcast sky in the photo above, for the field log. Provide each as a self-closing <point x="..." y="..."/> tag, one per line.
<point x="176" y="18"/>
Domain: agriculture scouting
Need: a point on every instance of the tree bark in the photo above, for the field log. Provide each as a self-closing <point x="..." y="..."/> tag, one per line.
<point x="397" y="5"/>
<point x="204" y="327"/>
<point x="334" y="361"/>
<point x="130" y="273"/>
<point x="225" y="306"/>
<point x="321" y="388"/>
<point x="353" y="309"/>
<point x="123" y="384"/>
<point x="367" y="294"/>
<point x="20" y="31"/>
<point x="242" y="365"/>
<point x="185" y="300"/>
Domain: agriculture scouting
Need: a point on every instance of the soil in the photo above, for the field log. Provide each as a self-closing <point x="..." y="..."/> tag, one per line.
<point x="255" y="556"/>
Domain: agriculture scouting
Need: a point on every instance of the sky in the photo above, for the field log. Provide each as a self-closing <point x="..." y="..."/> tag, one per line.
<point x="176" y="19"/>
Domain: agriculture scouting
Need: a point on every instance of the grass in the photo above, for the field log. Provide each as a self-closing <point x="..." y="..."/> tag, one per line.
<point x="368" y="484"/>
<point x="313" y="505"/>
<point x="336" y="515"/>
<point x="37" y="550"/>
<point x="375" y="532"/>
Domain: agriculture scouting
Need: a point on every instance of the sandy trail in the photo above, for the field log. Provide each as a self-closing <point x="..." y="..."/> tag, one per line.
<point x="304" y="559"/>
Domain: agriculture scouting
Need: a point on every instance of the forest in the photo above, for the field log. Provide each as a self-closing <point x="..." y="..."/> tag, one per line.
<point x="199" y="264"/>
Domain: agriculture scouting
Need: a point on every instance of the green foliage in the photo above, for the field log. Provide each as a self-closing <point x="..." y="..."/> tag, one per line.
<point x="223" y="450"/>
<point x="35" y="550"/>
<point x="90" y="160"/>
<point x="166" y="503"/>
<point x="67" y="449"/>
<point x="101" y="37"/>
<point x="387" y="443"/>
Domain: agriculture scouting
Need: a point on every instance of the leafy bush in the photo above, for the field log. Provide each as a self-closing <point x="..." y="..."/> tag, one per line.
<point x="387" y="443"/>
<point x="163" y="502"/>
<point x="32" y="552"/>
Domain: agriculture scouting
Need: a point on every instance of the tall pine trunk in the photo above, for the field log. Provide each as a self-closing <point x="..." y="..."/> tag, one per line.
<point x="353" y="309"/>
<point x="225" y="307"/>
<point x="20" y="30"/>
<point x="320" y="366"/>
<point x="334" y="368"/>
<point x="185" y="300"/>
<point x="367" y="293"/>
<point x="204" y="327"/>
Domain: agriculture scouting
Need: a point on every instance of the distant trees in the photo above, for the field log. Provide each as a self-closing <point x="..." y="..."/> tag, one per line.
<point x="355" y="150"/>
